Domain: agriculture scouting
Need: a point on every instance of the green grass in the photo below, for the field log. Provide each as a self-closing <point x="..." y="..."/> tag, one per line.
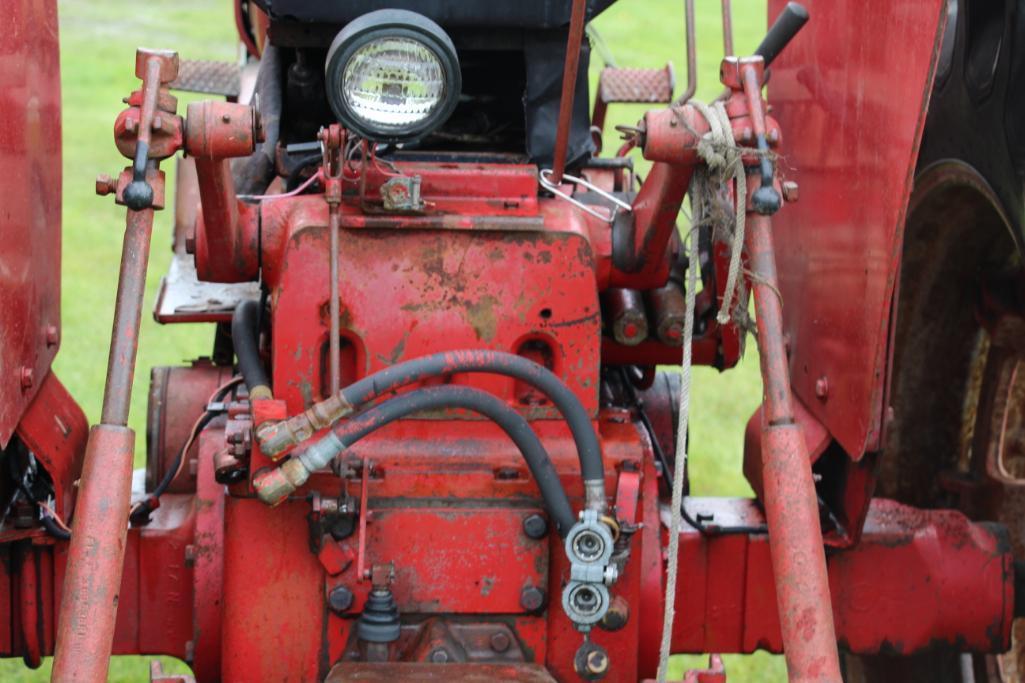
<point x="98" y="41"/>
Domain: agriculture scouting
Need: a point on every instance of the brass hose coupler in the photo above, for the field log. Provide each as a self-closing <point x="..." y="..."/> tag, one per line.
<point x="275" y="485"/>
<point x="277" y="437"/>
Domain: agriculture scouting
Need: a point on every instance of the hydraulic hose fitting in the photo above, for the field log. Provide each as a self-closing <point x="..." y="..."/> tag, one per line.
<point x="274" y="486"/>
<point x="589" y="546"/>
<point x="594" y="495"/>
<point x="277" y="437"/>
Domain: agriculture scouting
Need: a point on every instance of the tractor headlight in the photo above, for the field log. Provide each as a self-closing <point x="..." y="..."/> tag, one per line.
<point x="392" y="76"/>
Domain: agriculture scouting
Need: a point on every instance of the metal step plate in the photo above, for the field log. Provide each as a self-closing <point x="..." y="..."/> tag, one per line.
<point x="636" y="85"/>
<point x="212" y="78"/>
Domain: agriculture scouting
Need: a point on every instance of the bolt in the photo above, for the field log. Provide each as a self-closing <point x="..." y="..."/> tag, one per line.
<point x="190" y="555"/>
<point x="339" y="599"/>
<point x="500" y="641"/>
<point x="597" y="662"/>
<point x="772" y="137"/>
<point x="158" y="122"/>
<point x="535" y="526"/>
<point x="52" y="335"/>
<point x="105" y="185"/>
<point x="27" y="377"/>
<point x="746" y="134"/>
<point x="532" y="598"/>
<point x="130" y="125"/>
<point x="822" y="387"/>
<point x="618" y="614"/>
<point x="790" y="192"/>
<point x="226" y="118"/>
<point x="439" y="656"/>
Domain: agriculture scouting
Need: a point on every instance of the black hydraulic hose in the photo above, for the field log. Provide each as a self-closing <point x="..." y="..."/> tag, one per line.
<point x="478" y="360"/>
<point x="245" y="336"/>
<point x="475" y="400"/>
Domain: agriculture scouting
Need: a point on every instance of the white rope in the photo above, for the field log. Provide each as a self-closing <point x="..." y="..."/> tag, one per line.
<point x="719" y="151"/>
<point x="680" y="468"/>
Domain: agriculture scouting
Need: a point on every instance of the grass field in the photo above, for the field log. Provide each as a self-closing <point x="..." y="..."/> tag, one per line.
<point x="98" y="39"/>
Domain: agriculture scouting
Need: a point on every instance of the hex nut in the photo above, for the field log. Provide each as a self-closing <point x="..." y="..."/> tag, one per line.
<point x="535" y="526"/>
<point x="340" y="599"/>
<point x="500" y="641"/>
<point x="532" y="598"/>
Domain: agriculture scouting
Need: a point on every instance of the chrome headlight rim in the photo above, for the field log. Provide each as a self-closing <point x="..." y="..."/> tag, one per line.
<point x="396" y="24"/>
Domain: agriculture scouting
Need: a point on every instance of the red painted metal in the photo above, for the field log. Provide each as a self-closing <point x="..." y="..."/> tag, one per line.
<point x="207" y="560"/>
<point x="247" y="592"/>
<point x="935" y="575"/>
<point x="217" y="132"/>
<point x="792" y="510"/>
<point x="55" y="429"/>
<point x="95" y="557"/>
<point x="547" y="272"/>
<point x="916" y="579"/>
<point x="838" y="248"/>
<point x="97" y="549"/>
<point x="30" y="164"/>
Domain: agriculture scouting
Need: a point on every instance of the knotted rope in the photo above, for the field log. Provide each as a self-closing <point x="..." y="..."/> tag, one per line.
<point x="718" y="149"/>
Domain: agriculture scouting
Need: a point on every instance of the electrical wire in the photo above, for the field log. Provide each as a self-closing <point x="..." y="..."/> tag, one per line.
<point x="145" y="506"/>
<point x="48" y="517"/>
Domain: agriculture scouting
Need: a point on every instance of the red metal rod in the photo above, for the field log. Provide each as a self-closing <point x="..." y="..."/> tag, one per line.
<point x="131" y="286"/>
<point x="569" y="82"/>
<point x="85" y="629"/>
<point x="692" y="55"/>
<point x="124" y="343"/>
<point x="727" y="28"/>
<point x="97" y="549"/>
<point x="334" y="344"/>
<point x="791" y="506"/>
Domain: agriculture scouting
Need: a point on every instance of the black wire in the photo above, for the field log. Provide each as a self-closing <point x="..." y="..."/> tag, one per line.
<point x="148" y="505"/>
<point x="660" y="455"/>
<point x="52" y="527"/>
<point x="48" y="522"/>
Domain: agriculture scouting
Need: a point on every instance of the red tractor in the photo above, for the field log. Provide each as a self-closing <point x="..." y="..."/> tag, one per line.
<point x="437" y="438"/>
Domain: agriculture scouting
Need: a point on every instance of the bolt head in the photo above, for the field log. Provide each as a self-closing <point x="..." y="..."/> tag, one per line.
<point x="500" y="641"/>
<point x="53" y="335"/>
<point x="597" y="662"/>
<point x="532" y="598"/>
<point x="439" y="656"/>
<point x="340" y="599"/>
<point x="822" y="387"/>
<point x="28" y="376"/>
<point x="617" y="616"/>
<point x="790" y="191"/>
<point x="535" y="526"/>
<point x="105" y="185"/>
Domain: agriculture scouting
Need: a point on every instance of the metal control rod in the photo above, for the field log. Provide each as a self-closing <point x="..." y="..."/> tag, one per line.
<point x="96" y="553"/>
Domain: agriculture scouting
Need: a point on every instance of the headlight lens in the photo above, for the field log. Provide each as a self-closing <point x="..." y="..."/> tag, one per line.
<point x="392" y="76"/>
<point x="393" y="83"/>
